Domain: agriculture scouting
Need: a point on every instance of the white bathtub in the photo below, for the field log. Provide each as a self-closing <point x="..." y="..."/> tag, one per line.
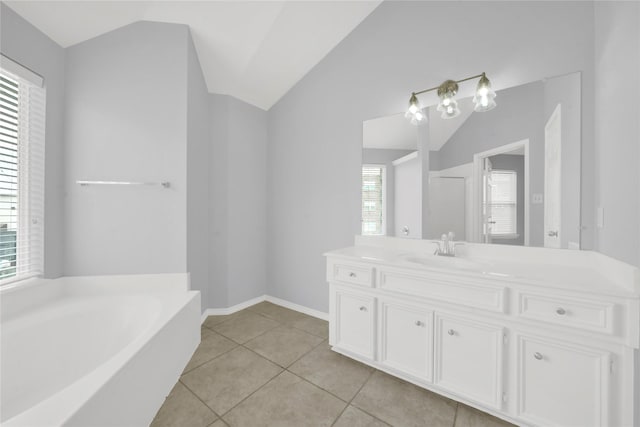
<point x="94" y="351"/>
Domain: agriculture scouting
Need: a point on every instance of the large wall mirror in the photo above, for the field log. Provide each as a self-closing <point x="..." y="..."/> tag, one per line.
<point x="506" y="176"/>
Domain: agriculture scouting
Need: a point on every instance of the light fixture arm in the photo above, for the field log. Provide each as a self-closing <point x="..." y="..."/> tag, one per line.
<point x="457" y="81"/>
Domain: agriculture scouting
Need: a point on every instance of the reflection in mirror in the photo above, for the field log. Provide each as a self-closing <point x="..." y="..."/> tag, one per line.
<point x="507" y="176"/>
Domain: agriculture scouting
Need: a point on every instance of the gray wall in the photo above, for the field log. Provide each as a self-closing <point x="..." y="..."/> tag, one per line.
<point x="617" y="176"/>
<point x="315" y="130"/>
<point x="515" y="163"/>
<point x="198" y="154"/>
<point x="238" y="201"/>
<point x="26" y="45"/>
<point x="381" y="156"/>
<point x="126" y="114"/>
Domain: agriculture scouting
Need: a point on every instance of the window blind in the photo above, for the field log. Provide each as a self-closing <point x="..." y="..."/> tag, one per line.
<point x="504" y="203"/>
<point x="22" y="120"/>
<point x="373" y="200"/>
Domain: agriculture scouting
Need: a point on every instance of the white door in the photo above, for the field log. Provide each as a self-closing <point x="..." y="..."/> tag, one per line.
<point x="406" y="336"/>
<point x="562" y="384"/>
<point x="446" y="207"/>
<point x="552" y="179"/>
<point x="408" y="198"/>
<point x="353" y="322"/>
<point x="468" y="358"/>
<point x="487" y="221"/>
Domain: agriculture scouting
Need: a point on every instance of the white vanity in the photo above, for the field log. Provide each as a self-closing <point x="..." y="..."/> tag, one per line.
<point x="534" y="336"/>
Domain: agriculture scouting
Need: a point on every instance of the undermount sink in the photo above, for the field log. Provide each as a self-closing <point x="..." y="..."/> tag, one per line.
<point x="446" y="262"/>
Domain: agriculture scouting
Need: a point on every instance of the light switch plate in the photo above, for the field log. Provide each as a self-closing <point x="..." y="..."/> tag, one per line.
<point x="536" y="199"/>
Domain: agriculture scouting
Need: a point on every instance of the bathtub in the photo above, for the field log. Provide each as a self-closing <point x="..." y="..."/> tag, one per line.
<point x="93" y="351"/>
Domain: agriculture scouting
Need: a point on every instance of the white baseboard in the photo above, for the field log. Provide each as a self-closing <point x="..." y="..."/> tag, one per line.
<point x="298" y="307"/>
<point x="293" y="306"/>
<point x="230" y="310"/>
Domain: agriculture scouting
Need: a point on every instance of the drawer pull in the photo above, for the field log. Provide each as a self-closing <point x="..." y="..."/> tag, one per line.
<point x="451" y="332"/>
<point x="363" y="308"/>
<point x="537" y="355"/>
<point x="419" y="323"/>
<point x="352" y="274"/>
<point x="561" y="311"/>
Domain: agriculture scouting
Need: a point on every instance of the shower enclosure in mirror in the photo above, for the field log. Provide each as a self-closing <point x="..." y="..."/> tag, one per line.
<point x="506" y="176"/>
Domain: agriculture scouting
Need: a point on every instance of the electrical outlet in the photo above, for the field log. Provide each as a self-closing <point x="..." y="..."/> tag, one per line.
<point x="536" y="199"/>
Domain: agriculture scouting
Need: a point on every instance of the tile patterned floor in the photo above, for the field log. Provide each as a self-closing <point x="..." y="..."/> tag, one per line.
<point x="271" y="366"/>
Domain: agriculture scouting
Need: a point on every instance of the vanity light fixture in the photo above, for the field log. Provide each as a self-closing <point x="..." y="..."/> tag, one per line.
<point x="483" y="99"/>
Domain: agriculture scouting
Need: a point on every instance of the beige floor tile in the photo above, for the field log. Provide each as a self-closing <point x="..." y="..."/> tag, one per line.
<point x="313" y="325"/>
<point x="219" y="423"/>
<point x="182" y="408"/>
<point x="283" y="345"/>
<point x="398" y="402"/>
<point x="332" y="371"/>
<point x="354" y="417"/>
<point x="211" y="346"/>
<point x="226" y="380"/>
<point x="471" y="417"/>
<point x="286" y="401"/>
<point x="245" y="326"/>
<point x="276" y="312"/>
<point x="211" y="321"/>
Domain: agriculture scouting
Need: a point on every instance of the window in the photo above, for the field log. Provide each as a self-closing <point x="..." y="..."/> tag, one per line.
<point x="504" y="204"/>
<point x="373" y="200"/>
<point x="22" y="105"/>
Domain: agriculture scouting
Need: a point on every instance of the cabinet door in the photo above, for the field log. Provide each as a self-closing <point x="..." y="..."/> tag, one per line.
<point x="406" y="336"/>
<point x="468" y="356"/>
<point x="354" y="322"/>
<point x="561" y="384"/>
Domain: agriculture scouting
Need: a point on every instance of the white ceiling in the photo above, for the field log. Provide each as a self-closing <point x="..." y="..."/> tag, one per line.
<point x="390" y="132"/>
<point x="397" y="133"/>
<point x="253" y="50"/>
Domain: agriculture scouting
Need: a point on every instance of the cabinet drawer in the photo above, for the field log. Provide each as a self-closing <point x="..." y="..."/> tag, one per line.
<point x="459" y="290"/>
<point x="352" y="273"/>
<point x="561" y="384"/>
<point x="353" y="322"/>
<point x="468" y="358"/>
<point x="593" y="315"/>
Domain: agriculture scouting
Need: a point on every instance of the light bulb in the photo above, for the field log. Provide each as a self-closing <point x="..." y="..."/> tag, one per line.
<point x="414" y="113"/>
<point x="484" y="97"/>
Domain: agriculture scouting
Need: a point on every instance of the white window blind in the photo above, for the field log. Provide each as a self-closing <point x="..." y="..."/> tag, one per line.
<point x="504" y="203"/>
<point x="22" y="120"/>
<point x="373" y="215"/>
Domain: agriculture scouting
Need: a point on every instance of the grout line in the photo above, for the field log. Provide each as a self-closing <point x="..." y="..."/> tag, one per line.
<point x="198" y="397"/>
<point x="214" y="358"/>
<point x="255" y="391"/>
<point x="455" y="414"/>
<point x="354" y="396"/>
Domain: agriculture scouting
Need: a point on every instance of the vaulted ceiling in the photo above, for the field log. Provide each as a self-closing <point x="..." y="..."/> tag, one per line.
<point x="253" y="50"/>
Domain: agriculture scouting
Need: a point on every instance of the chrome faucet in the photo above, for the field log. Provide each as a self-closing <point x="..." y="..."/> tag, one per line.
<point x="447" y="245"/>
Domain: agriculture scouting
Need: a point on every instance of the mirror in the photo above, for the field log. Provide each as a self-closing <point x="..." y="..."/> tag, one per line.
<point x="506" y="176"/>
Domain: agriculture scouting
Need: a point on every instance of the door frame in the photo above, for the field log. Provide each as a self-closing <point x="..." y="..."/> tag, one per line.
<point x="478" y="159"/>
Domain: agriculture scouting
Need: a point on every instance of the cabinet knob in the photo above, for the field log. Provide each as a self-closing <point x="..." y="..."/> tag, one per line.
<point x="451" y="332"/>
<point x="363" y="308"/>
<point x="419" y="323"/>
<point x="352" y="274"/>
<point x="537" y="355"/>
<point x="561" y="311"/>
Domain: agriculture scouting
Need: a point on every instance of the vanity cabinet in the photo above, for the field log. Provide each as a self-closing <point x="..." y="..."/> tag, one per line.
<point x="354" y="327"/>
<point x="562" y="384"/>
<point x="406" y="338"/>
<point x="468" y="358"/>
<point x="534" y="355"/>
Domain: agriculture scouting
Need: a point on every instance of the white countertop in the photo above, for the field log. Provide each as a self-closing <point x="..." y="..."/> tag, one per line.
<point x="571" y="270"/>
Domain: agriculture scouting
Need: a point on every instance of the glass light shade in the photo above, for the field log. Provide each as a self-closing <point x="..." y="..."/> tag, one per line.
<point x="484" y="97"/>
<point x="448" y="106"/>
<point x="415" y="114"/>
